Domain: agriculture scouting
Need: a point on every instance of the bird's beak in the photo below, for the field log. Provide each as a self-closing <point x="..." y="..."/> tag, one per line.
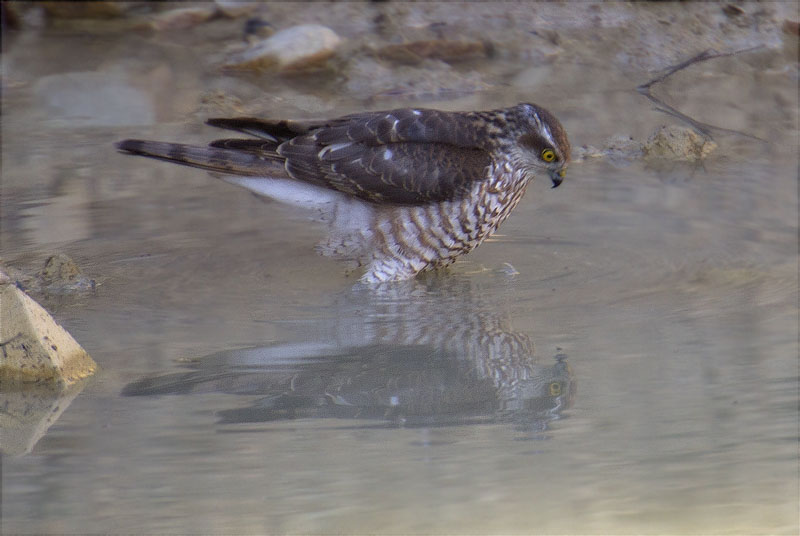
<point x="557" y="176"/>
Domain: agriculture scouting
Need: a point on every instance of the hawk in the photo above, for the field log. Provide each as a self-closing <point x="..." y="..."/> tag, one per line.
<point x="403" y="191"/>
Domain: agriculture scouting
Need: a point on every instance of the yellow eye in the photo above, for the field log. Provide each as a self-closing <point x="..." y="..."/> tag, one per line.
<point x="548" y="155"/>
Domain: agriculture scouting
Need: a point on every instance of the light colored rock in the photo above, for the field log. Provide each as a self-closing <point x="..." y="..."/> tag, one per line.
<point x="673" y="142"/>
<point x="236" y="8"/>
<point x="298" y="48"/>
<point x="181" y="18"/>
<point x="33" y="348"/>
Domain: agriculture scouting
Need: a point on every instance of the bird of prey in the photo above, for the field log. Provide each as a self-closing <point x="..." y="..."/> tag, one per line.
<point x="403" y="191"/>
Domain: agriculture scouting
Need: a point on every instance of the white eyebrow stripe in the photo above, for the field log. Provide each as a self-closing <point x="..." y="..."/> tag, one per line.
<point x="547" y="134"/>
<point x="544" y="129"/>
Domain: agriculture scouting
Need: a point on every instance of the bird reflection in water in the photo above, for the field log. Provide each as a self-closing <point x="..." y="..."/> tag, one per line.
<point x="427" y="352"/>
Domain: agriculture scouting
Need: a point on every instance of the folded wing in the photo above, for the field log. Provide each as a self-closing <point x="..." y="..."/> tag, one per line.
<point x="401" y="156"/>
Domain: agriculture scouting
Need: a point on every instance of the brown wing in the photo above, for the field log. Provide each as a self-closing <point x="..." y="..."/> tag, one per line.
<point x="274" y="130"/>
<point x="401" y="156"/>
<point x="405" y="173"/>
<point x="403" y="124"/>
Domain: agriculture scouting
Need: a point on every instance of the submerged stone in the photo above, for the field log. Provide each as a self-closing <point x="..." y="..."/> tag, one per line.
<point x="60" y="274"/>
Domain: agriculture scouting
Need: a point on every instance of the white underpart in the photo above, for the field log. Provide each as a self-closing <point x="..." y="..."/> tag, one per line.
<point x="397" y="242"/>
<point x="291" y="192"/>
<point x="349" y="219"/>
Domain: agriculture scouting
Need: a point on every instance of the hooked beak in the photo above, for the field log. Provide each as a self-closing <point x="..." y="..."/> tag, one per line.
<point x="557" y="176"/>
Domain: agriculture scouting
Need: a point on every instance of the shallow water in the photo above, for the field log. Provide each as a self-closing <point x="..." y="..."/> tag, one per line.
<point x="621" y="358"/>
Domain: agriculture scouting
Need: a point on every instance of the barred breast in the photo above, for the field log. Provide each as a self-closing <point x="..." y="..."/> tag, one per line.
<point x="410" y="239"/>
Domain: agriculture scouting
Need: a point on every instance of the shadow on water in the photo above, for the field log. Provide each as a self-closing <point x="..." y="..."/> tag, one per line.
<point x="425" y="353"/>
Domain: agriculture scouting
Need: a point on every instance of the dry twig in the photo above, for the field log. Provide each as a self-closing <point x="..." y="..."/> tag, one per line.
<point x="702" y="128"/>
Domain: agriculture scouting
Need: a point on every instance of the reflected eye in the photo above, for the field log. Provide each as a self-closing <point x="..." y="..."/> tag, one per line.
<point x="548" y="155"/>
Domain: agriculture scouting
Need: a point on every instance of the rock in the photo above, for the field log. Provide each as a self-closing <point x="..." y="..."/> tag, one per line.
<point x="236" y="8"/>
<point x="585" y="152"/>
<point x="33" y="347"/>
<point x="60" y="268"/>
<point x="791" y="27"/>
<point x="60" y="275"/>
<point x="84" y="10"/>
<point x="220" y="103"/>
<point x="732" y="10"/>
<point x="181" y="18"/>
<point x="677" y="143"/>
<point x="619" y="150"/>
<point x="257" y="29"/>
<point x="299" y="48"/>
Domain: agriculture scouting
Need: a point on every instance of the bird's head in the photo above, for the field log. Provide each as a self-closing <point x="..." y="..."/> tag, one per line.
<point x="539" y="141"/>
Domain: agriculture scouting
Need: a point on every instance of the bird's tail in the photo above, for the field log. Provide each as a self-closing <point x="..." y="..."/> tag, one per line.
<point x="226" y="161"/>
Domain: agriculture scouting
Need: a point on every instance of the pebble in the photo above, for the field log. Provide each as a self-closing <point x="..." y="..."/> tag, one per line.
<point x="181" y="18"/>
<point x="299" y="48"/>
<point x="60" y="274"/>
<point x="60" y="268"/>
<point x="674" y="142"/>
<point x="619" y="150"/>
<point x="236" y="8"/>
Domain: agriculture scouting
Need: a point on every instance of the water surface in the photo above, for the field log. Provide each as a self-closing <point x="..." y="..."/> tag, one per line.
<point x="621" y="358"/>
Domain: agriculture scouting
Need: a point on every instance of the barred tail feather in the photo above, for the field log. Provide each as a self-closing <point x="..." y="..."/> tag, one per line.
<point x="227" y="161"/>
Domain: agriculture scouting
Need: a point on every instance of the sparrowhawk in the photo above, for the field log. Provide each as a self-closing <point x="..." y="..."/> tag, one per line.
<point x="403" y="190"/>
